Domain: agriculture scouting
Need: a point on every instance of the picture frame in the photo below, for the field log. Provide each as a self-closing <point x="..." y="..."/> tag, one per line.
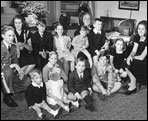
<point x="129" y="5"/>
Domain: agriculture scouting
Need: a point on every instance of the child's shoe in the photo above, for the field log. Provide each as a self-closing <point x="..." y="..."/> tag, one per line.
<point x="56" y="112"/>
<point x="44" y="117"/>
<point x="90" y="107"/>
<point x="76" y="103"/>
<point x="67" y="108"/>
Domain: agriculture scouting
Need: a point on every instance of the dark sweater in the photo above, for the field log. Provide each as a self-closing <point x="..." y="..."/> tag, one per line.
<point x="35" y="95"/>
<point x="96" y="41"/>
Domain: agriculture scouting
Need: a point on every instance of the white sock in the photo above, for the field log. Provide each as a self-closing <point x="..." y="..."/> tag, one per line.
<point x="54" y="113"/>
<point x="40" y="115"/>
<point x="76" y="103"/>
<point x="66" y="108"/>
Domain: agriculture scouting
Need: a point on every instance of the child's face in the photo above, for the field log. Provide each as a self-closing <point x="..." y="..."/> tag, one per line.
<point x="98" y="25"/>
<point x="53" y="59"/>
<point x="141" y="30"/>
<point x="41" y="28"/>
<point x="119" y="45"/>
<point x="18" y="24"/>
<point x="80" y="67"/>
<point x="86" y="20"/>
<point x="103" y="60"/>
<point x="83" y="33"/>
<point x="37" y="78"/>
<point x="8" y="36"/>
<point x="59" y="30"/>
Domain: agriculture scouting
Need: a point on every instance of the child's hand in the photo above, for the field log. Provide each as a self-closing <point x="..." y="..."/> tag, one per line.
<point x="21" y="45"/>
<point x="121" y="70"/>
<point x="116" y="71"/>
<point x="109" y="91"/>
<point x="90" y="91"/>
<point x="44" y="54"/>
<point x="21" y="75"/>
<point x="104" y="91"/>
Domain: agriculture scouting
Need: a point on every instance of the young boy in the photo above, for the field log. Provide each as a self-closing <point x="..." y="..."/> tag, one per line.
<point x="97" y="40"/>
<point x="42" y="42"/>
<point x="80" y="43"/>
<point x="103" y="77"/>
<point x="36" y="95"/>
<point x="13" y="78"/>
<point x="79" y="84"/>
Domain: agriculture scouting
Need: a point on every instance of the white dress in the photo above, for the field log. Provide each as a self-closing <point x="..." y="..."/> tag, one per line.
<point x="56" y="89"/>
<point x="55" y="85"/>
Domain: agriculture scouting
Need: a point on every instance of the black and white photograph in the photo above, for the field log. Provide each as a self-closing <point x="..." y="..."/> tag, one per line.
<point x="130" y="5"/>
<point x="73" y="60"/>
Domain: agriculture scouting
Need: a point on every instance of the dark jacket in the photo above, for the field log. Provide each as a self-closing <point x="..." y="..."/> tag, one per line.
<point x="96" y="41"/>
<point x="75" y="84"/>
<point x="40" y="43"/>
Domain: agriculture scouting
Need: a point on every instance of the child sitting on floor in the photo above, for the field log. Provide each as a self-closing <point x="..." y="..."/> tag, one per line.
<point x="79" y="84"/>
<point x="103" y="77"/>
<point x="36" y="95"/>
<point x="53" y="76"/>
<point x="118" y="57"/>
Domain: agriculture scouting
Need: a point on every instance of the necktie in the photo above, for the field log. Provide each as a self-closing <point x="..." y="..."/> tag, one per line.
<point x="9" y="48"/>
<point x="81" y="76"/>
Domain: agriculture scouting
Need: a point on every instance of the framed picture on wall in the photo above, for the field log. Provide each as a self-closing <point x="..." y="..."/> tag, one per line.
<point x="129" y="5"/>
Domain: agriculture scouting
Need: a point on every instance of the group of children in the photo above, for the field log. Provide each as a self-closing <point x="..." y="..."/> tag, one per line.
<point x="52" y="84"/>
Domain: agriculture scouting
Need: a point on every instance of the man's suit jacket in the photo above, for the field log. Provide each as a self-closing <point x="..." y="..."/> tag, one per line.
<point x="75" y="84"/>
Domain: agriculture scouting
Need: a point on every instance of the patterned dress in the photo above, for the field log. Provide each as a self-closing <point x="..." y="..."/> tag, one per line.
<point x="104" y="74"/>
<point x="62" y="47"/>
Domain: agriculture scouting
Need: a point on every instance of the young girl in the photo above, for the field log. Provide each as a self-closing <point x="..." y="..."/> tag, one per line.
<point x="53" y="76"/>
<point x="118" y="57"/>
<point x="80" y="43"/>
<point x="137" y="59"/>
<point x="103" y="77"/>
<point x="36" y="95"/>
<point x="63" y="45"/>
<point x="23" y="39"/>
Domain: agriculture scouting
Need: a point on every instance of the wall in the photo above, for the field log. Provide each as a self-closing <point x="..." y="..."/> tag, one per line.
<point x="110" y="8"/>
<point x="7" y="13"/>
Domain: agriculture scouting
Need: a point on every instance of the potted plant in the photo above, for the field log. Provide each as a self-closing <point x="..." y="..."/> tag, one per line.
<point x="32" y="10"/>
